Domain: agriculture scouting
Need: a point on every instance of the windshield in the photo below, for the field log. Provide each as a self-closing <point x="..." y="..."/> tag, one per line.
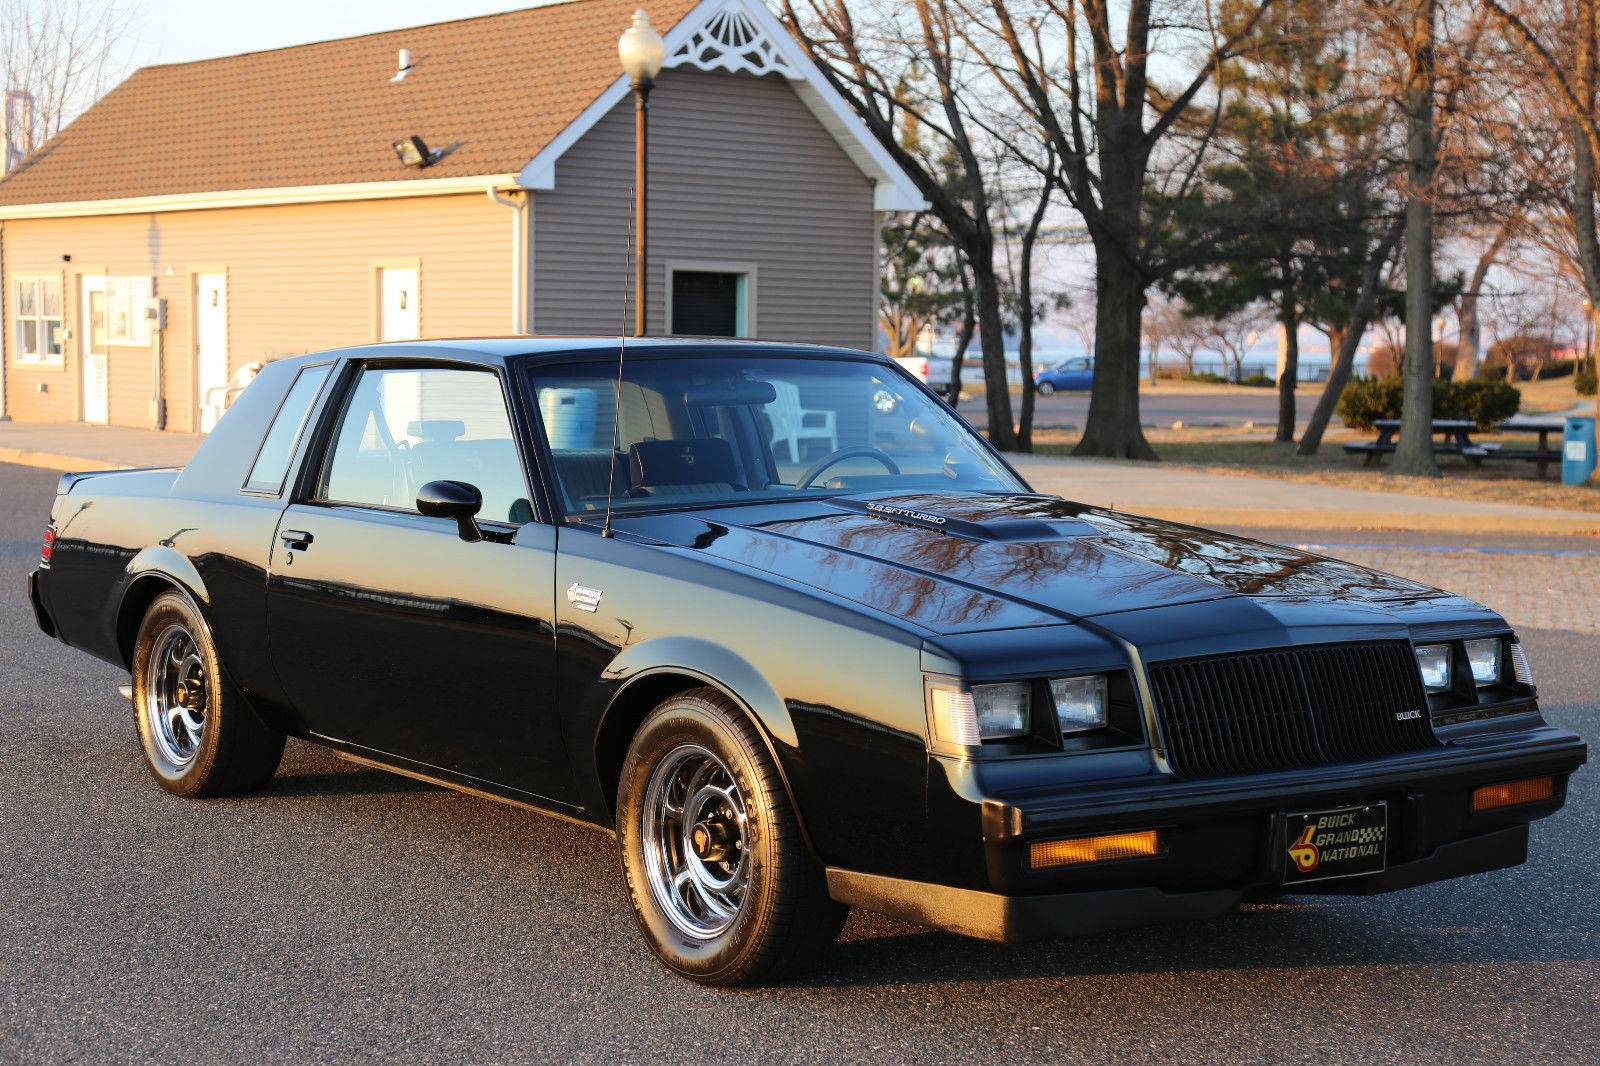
<point x="745" y="428"/>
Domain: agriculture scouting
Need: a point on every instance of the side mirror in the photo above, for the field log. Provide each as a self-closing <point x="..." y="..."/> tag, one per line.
<point x="452" y="499"/>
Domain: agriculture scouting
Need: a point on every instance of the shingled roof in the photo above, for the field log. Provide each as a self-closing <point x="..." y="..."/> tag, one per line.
<point x="489" y="92"/>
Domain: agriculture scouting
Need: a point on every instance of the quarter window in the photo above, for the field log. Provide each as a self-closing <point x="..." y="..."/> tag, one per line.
<point x="272" y="462"/>
<point x="403" y="428"/>
<point x="38" y="318"/>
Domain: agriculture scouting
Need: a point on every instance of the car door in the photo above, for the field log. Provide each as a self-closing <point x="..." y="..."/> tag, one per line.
<point x="392" y="634"/>
<point x="1078" y="374"/>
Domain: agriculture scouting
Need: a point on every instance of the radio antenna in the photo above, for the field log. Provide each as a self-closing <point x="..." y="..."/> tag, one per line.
<point x="622" y="349"/>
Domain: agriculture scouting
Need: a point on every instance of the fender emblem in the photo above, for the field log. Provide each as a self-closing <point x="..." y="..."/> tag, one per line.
<point x="1407" y="716"/>
<point x="584" y="598"/>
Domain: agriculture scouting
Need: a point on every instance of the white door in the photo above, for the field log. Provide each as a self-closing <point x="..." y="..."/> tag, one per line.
<point x="95" y="378"/>
<point x="397" y="304"/>
<point x="211" y="346"/>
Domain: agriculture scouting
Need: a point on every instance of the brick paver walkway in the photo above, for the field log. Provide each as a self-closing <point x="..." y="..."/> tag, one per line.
<point x="1542" y="590"/>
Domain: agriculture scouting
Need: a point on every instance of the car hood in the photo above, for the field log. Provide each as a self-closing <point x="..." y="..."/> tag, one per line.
<point x="962" y="562"/>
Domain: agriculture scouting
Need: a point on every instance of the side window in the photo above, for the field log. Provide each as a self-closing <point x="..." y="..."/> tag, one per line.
<point x="272" y="461"/>
<point x="404" y="428"/>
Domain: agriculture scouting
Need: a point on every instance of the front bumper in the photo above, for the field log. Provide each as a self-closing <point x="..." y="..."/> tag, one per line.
<point x="993" y="916"/>
<point x="1222" y="839"/>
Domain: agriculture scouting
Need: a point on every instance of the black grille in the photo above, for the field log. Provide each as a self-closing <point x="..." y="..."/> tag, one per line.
<point x="1273" y="710"/>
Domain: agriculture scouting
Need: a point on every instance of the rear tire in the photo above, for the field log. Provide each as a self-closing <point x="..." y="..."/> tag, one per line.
<point x="1046" y="389"/>
<point x="198" y="735"/>
<point x="722" y="885"/>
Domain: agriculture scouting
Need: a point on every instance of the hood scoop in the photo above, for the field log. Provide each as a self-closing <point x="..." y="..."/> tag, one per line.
<point x="997" y="524"/>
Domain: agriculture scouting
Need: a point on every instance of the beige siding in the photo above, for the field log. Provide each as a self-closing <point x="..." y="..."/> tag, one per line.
<point x="740" y="172"/>
<point x="300" y="278"/>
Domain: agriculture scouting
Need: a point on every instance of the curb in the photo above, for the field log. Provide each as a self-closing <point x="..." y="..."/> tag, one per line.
<point x="1375" y="521"/>
<point x="51" y="461"/>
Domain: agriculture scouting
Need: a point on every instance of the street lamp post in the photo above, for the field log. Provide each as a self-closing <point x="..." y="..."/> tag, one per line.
<point x="641" y="52"/>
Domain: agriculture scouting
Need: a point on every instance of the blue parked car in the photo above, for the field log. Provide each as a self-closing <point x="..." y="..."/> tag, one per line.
<point x="1072" y="374"/>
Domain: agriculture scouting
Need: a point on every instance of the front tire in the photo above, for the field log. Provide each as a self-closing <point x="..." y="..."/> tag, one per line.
<point x="198" y="736"/>
<point x="721" y="882"/>
<point x="1046" y="389"/>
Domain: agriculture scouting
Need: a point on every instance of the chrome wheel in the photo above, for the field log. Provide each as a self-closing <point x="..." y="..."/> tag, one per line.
<point x="176" y="695"/>
<point x="696" y="848"/>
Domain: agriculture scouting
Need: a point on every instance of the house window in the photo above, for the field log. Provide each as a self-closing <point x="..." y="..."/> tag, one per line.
<point x="39" y="319"/>
<point x="126" y="300"/>
<point x="711" y="299"/>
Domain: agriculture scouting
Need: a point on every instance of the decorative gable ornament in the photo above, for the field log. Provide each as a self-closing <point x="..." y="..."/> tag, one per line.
<point x="744" y="37"/>
<point x="729" y="39"/>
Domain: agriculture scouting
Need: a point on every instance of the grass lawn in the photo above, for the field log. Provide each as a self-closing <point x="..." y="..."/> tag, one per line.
<point x="1503" y="481"/>
<point x="1538" y="397"/>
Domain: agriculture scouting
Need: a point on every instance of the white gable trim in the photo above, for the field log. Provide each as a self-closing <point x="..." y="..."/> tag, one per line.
<point x="744" y="37"/>
<point x="268" y="197"/>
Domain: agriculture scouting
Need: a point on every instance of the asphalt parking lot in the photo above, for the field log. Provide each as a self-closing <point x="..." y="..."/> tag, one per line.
<point x="349" y="915"/>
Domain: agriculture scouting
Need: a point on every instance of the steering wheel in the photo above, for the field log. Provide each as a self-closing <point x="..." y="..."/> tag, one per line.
<point x="858" y="451"/>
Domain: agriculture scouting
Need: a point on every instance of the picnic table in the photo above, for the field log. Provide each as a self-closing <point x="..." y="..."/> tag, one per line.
<point x="1544" y="454"/>
<point x="1455" y="438"/>
<point x="1455" y="434"/>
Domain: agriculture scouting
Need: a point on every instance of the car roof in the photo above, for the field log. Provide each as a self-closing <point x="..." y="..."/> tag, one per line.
<point x="497" y="350"/>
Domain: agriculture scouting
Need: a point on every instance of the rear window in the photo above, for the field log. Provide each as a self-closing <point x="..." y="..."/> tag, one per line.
<point x="272" y="461"/>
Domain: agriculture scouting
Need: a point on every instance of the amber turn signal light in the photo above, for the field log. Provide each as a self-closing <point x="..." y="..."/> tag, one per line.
<point x="1507" y="795"/>
<point x="1047" y="853"/>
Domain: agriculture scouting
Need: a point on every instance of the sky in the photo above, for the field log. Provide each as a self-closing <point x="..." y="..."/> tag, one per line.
<point x="177" y="31"/>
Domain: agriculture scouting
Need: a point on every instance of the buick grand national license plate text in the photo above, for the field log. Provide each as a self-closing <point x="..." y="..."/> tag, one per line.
<point x="1344" y="843"/>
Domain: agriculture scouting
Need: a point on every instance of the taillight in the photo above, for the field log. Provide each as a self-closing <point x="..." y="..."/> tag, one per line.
<point x="49" y="547"/>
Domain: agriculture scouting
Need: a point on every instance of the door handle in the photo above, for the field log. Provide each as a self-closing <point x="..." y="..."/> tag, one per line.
<point x="296" y="538"/>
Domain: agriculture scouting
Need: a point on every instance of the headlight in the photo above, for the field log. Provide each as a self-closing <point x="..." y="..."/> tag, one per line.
<point x="1484" y="658"/>
<point x="1080" y="702"/>
<point x="1434" y="662"/>
<point x="1003" y="710"/>
<point x="985" y="712"/>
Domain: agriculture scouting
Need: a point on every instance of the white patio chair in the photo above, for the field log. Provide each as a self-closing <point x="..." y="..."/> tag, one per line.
<point x="793" y="423"/>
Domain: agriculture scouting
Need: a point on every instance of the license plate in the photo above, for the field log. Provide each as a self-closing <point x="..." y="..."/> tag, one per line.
<point x="1347" y="842"/>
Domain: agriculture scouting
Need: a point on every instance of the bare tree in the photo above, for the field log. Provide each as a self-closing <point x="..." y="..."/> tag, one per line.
<point x="1081" y="71"/>
<point x="1349" y="339"/>
<point x="1026" y="306"/>
<point x="907" y="81"/>
<point x="1413" y="452"/>
<point x="1232" y="336"/>
<point x="1471" y="342"/>
<point x="1563" y="43"/>
<point x="1185" y="334"/>
<point x="1164" y="325"/>
<point x="56" y="58"/>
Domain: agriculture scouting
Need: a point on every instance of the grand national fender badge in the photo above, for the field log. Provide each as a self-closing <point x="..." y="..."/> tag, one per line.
<point x="584" y="598"/>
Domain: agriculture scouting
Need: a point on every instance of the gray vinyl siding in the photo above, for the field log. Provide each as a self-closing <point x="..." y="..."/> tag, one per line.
<point x="740" y="172"/>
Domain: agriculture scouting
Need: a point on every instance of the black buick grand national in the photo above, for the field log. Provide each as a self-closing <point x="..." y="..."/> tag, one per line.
<point x="791" y="628"/>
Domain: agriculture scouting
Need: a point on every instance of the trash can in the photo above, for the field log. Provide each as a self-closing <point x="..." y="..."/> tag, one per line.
<point x="569" y="417"/>
<point x="1577" y="453"/>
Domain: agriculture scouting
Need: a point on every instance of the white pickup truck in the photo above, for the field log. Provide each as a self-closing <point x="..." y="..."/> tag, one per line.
<point x="918" y="366"/>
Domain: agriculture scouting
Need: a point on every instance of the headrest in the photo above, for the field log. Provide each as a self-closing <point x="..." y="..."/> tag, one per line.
<point x="436" y="428"/>
<point x="681" y="462"/>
